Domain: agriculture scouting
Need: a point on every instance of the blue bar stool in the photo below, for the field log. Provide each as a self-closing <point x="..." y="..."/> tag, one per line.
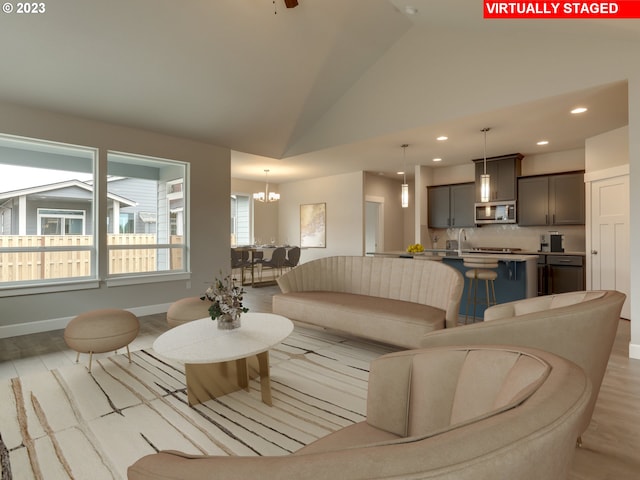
<point x="480" y="268"/>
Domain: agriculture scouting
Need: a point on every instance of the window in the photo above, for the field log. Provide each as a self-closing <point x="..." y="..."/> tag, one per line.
<point x="60" y="222"/>
<point x="127" y="224"/>
<point x="48" y="224"/>
<point x="175" y="197"/>
<point x="47" y="203"/>
<point x="240" y="220"/>
<point x="147" y="203"/>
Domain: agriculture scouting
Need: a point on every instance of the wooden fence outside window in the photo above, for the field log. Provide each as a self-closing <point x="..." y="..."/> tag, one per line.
<point x="25" y="266"/>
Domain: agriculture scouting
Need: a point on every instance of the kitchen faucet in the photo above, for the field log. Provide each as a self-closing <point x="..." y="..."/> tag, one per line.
<point x="461" y="233"/>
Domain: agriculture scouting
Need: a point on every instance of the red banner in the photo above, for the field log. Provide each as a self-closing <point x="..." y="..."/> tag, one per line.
<point x="562" y="9"/>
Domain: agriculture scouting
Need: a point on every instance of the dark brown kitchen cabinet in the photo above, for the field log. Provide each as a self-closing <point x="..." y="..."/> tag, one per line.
<point x="533" y="201"/>
<point x="560" y="274"/>
<point x="565" y="273"/>
<point x="503" y="174"/>
<point x="451" y="205"/>
<point x="551" y="199"/>
<point x="439" y="206"/>
<point x="566" y="199"/>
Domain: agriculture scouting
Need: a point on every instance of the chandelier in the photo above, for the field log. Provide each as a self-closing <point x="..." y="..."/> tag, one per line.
<point x="266" y="196"/>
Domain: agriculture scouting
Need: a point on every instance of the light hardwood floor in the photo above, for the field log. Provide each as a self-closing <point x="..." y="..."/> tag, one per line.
<point x="611" y="445"/>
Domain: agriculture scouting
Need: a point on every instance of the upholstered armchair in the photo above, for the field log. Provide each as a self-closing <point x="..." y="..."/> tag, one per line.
<point x="452" y="413"/>
<point x="579" y="326"/>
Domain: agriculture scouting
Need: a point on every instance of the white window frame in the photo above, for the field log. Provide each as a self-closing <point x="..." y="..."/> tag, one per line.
<point x="119" y="279"/>
<point x="234" y="220"/>
<point x="92" y="281"/>
<point x="37" y="286"/>
<point x="175" y="196"/>
<point x="61" y="216"/>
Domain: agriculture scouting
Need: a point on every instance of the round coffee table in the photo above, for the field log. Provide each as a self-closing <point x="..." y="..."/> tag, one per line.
<point x="217" y="361"/>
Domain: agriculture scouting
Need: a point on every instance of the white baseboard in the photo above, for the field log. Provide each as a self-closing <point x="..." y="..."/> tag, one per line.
<point x="634" y="351"/>
<point x="17" y="329"/>
<point x="150" y="309"/>
<point x="48" y="325"/>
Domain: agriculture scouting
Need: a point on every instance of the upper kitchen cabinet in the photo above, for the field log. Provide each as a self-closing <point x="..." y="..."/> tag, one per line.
<point x="551" y="200"/>
<point x="451" y="205"/>
<point x="503" y="176"/>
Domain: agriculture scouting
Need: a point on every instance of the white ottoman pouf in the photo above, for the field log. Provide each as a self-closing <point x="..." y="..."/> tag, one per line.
<point x="99" y="331"/>
<point x="187" y="309"/>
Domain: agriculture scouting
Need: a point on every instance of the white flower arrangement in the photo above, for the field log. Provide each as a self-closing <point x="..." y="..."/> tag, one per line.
<point x="226" y="298"/>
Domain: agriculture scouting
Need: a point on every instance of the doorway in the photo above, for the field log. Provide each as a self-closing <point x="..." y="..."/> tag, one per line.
<point x="608" y="255"/>
<point x="373" y="224"/>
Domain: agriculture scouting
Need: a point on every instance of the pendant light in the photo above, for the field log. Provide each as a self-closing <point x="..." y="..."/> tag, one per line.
<point x="404" y="192"/>
<point x="485" y="179"/>
<point x="266" y="196"/>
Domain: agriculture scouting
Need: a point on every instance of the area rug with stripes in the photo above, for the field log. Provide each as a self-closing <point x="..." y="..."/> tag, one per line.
<point x="69" y="423"/>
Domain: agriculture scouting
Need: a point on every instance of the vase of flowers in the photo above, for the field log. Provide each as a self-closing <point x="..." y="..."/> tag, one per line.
<point x="227" y="321"/>
<point x="226" y="302"/>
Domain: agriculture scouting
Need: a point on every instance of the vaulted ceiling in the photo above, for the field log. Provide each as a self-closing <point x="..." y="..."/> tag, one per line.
<point x="327" y="87"/>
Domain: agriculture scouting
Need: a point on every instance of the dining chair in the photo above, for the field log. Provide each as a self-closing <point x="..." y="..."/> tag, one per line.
<point x="293" y="257"/>
<point x="240" y="259"/>
<point x="276" y="262"/>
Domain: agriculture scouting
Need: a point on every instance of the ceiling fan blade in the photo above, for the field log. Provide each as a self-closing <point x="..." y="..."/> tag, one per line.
<point x="291" y="3"/>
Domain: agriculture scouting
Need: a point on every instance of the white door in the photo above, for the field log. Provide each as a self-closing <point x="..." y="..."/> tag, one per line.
<point x="609" y="237"/>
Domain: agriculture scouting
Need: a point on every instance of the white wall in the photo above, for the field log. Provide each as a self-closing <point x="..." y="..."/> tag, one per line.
<point x="555" y="162"/>
<point x="265" y="215"/>
<point x="453" y="174"/>
<point x="409" y="215"/>
<point x="485" y="69"/>
<point x="634" y="165"/>
<point x="394" y="219"/>
<point x="607" y="150"/>
<point x="344" y="198"/>
<point x="209" y="203"/>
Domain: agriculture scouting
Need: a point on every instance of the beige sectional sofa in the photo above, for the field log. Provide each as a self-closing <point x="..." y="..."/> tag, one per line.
<point x="452" y="413"/>
<point x="391" y="300"/>
<point x="579" y="326"/>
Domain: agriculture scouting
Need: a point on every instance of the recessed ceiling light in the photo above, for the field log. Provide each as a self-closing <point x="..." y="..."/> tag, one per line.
<point x="543" y="142"/>
<point x="442" y="138"/>
<point x="437" y="159"/>
<point x="400" y="173"/>
<point x="410" y="10"/>
<point x="579" y="110"/>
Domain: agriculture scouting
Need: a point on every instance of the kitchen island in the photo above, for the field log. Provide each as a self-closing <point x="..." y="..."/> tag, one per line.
<point x="517" y="274"/>
<point x="437" y="255"/>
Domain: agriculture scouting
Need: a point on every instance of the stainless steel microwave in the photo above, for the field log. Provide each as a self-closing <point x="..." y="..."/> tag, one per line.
<point x="495" y="212"/>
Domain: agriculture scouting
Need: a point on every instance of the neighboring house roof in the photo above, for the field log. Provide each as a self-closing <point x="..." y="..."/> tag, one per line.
<point x="148" y="217"/>
<point x="39" y="189"/>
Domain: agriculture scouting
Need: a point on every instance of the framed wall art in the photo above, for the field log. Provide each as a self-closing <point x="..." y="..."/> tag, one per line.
<point x="313" y="218"/>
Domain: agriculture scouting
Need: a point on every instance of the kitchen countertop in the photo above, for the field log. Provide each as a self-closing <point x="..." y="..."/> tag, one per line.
<point x="553" y="253"/>
<point x="505" y="257"/>
<point x="519" y="256"/>
<point x="438" y="253"/>
<point x="429" y="254"/>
